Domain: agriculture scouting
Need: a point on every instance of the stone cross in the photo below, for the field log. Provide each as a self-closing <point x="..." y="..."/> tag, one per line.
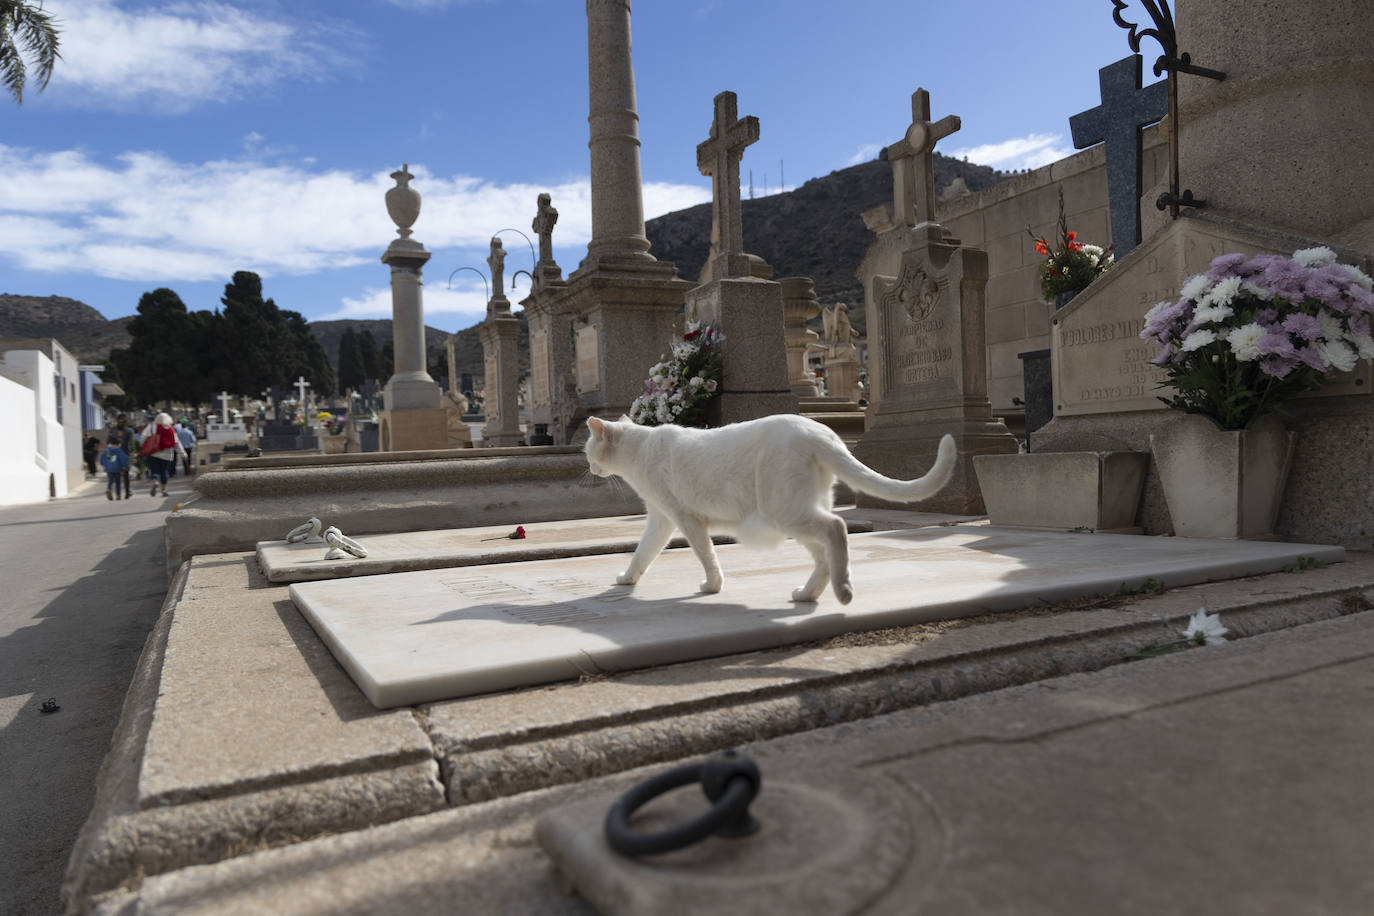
<point x="543" y="224"/>
<point x="224" y="406"/>
<point x="719" y="157"/>
<point x="497" y="262"/>
<point x="1125" y="109"/>
<point x="301" y="385"/>
<point x="913" y="164"/>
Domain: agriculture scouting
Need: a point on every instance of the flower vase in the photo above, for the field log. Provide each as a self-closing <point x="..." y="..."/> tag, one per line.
<point x="1223" y="483"/>
<point x="1064" y="298"/>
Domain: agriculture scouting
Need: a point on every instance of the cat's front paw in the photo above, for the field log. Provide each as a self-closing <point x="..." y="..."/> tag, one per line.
<point x="802" y="595"/>
<point x="710" y="586"/>
<point x="626" y="579"/>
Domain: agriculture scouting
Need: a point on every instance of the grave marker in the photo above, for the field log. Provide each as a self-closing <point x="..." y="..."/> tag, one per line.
<point x="1125" y="109"/>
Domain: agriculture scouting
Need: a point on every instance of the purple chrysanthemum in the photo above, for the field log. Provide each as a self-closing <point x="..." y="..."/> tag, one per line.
<point x="1276" y="343"/>
<point x="1226" y="265"/>
<point x="1303" y="325"/>
<point x="1313" y="357"/>
<point x="1277" y="366"/>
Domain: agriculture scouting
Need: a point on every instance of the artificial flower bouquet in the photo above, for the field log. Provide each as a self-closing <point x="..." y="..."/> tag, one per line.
<point x="680" y="387"/>
<point x="1069" y="265"/>
<point x="1252" y="332"/>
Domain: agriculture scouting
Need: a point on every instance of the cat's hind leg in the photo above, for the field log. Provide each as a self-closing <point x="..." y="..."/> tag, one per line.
<point x="826" y="538"/>
<point x="658" y="529"/>
<point x="699" y="537"/>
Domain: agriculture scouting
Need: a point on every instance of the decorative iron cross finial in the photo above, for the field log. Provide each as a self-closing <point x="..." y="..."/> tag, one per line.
<point x="543" y="224"/>
<point x="719" y="157"/>
<point x="913" y="163"/>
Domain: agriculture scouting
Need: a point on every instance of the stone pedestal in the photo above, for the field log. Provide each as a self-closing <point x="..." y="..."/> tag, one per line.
<point x="925" y="299"/>
<point x="842" y="379"/>
<point x="499" y="334"/>
<point x="749" y="312"/>
<point x="412" y="429"/>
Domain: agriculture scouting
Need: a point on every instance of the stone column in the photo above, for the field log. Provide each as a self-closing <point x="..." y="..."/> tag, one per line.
<point x="414" y="416"/>
<point x="617" y="201"/>
<point x="799" y="305"/>
<point x="499" y="334"/>
<point x="1286" y="140"/>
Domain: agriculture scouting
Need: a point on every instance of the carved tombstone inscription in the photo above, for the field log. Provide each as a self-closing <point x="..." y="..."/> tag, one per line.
<point x="922" y="341"/>
<point x="539" y="374"/>
<point x="1098" y="361"/>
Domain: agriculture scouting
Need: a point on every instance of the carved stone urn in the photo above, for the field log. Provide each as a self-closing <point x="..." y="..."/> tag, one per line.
<point x="403" y="201"/>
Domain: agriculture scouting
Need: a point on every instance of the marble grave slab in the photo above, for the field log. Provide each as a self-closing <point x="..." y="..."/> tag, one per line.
<point x="413" y="550"/>
<point x="418" y="637"/>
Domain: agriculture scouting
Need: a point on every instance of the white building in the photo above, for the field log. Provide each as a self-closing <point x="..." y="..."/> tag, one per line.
<point x="40" y="407"/>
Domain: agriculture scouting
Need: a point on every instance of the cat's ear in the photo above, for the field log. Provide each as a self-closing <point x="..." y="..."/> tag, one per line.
<point x="597" y="427"/>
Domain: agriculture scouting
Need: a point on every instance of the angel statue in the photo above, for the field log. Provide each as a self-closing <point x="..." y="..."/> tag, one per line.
<point x="839" y="334"/>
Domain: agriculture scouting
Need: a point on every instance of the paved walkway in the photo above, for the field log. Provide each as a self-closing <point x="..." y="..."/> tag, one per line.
<point x="84" y="579"/>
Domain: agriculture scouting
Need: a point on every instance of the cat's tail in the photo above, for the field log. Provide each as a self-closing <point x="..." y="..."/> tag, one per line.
<point x="861" y="477"/>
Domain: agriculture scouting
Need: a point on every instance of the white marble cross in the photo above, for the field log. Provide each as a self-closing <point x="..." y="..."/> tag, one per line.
<point x="224" y="406"/>
<point x="913" y="165"/>
<point x="301" y="385"/>
<point x="719" y="157"/>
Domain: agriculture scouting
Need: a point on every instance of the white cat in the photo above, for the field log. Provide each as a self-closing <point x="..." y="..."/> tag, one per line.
<point x="765" y="479"/>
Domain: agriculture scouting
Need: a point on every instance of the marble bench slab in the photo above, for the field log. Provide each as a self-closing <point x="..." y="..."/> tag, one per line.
<point x="414" y="550"/>
<point x="418" y="637"/>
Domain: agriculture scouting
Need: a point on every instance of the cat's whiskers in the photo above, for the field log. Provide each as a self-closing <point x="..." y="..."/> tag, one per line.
<point x="588" y="479"/>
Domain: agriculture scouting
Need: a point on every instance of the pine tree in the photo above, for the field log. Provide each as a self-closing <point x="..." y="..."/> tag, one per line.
<point x="372" y="359"/>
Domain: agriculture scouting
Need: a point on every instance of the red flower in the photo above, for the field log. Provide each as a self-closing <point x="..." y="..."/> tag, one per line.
<point x="1041" y="247"/>
<point x="691" y="335"/>
<point x="518" y="533"/>
<point x="1070" y="236"/>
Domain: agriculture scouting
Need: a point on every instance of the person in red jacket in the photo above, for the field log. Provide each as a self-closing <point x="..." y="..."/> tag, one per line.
<point x="166" y="447"/>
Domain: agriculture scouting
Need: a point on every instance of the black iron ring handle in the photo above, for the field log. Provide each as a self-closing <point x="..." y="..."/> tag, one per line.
<point x="730" y="780"/>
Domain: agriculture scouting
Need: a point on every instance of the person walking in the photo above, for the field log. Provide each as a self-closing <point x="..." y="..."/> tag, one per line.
<point x="163" y="451"/>
<point x="89" y="449"/>
<point x="115" y="462"/>
<point x="188" y="442"/>
<point x="129" y="444"/>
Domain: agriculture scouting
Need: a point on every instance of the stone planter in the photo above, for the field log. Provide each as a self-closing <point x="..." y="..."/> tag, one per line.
<point x="334" y="444"/>
<point x="1223" y="483"/>
<point x="1065" y="490"/>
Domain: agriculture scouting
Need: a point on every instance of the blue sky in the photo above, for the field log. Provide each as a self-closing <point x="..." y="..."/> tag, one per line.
<point x="181" y="141"/>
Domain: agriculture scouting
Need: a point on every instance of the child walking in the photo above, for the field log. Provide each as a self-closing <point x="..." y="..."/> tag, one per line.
<point x="114" y="462"/>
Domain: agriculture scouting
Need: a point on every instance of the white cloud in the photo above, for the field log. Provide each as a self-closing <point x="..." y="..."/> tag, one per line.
<point x="866" y="153"/>
<point x="170" y="58"/>
<point x="1029" y="152"/>
<point x="146" y="217"/>
<point x="461" y="306"/>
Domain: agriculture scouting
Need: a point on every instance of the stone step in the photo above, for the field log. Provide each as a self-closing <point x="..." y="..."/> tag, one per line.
<point x="907" y="805"/>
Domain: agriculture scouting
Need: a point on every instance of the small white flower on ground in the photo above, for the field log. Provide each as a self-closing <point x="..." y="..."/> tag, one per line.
<point x="1244" y="341"/>
<point x="1205" y="628"/>
<point x="1315" y="257"/>
<point x="1197" y="340"/>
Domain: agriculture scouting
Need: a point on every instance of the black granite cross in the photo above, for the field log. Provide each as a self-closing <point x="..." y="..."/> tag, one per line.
<point x="1125" y="109"/>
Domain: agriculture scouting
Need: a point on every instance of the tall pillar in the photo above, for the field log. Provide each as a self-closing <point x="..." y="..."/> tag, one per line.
<point x="617" y="201"/>
<point x="414" y="415"/>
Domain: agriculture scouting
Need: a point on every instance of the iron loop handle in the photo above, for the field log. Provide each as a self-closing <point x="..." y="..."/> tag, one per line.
<point x="730" y="781"/>
<point x="311" y="529"/>
<point x="341" y="544"/>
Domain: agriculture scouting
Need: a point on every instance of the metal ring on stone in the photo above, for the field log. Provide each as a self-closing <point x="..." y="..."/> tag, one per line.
<point x="730" y="780"/>
<point x="339" y="541"/>
<point x="310" y="529"/>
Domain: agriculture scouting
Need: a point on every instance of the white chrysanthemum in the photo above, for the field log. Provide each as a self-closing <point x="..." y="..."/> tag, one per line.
<point x="1244" y="341"/>
<point x="1332" y="327"/>
<point x="696" y="381"/>
<point x="1260" y="292"/>
<point x="1209" y="314"/>
<point x="1195" y="287"/>
<point x="1360" y="277"/>
<point x="1363" y="344"/>
<point x="1225" y="291"/>
<point x="1335" y="352"/>
<point x="1155" y="310"/>
<point x="1205" y="628"/>
<point x="1315" y="257"/>
<point x="1197" y="340"/>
